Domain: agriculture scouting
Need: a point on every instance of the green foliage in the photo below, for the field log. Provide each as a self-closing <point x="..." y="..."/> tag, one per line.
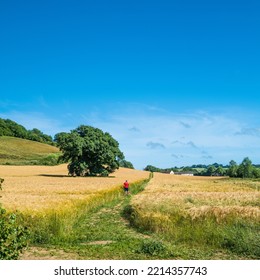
<point x="232" y="170"/>
<point x="51" y="159"/>
<point x="13" y="237"/>
<point x="11" y="128"/>
<point x="244" y="170"/>
<point x="152" y="247"/>
<point x="256" y="172"/>
<point x="220" y="171"/>
<point x="187" y="168"/>
<point x="90" y="151"/>
<point x="211" y="170"/>
<point x="126" y="164"/>
<point x="129" y="213"/>
<point x="152" y="168"/>
<point x="36" y="135"/>
<point x="242" y="239"/>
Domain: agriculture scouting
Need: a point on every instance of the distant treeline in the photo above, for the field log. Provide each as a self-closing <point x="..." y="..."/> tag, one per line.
<point x="244" y="170"/>
<point x="126" y="164"/>
<point x="11" y="128"/>
<point x="196" y="169"/>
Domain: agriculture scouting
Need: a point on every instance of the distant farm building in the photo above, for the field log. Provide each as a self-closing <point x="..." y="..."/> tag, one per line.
<point x="183" y="173"/>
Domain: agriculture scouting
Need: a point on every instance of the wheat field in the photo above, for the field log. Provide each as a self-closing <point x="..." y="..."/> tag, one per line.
<point x="209" y="214"/>
<point x="34" y="189"/>
<point x="199" y="197"/>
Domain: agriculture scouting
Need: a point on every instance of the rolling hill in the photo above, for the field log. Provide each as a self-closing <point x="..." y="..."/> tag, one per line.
<point x="17" y="151"/>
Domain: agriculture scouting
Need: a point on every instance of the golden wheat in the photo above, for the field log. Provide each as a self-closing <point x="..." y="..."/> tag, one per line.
<point x="199" y="197"/>
<point x="41" y="188"/>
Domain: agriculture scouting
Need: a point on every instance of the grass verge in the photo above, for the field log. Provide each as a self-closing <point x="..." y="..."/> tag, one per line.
<point x="64" y="226"/>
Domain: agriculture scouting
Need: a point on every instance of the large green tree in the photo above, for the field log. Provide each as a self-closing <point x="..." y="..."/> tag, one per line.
<point x="89" y="151"/>
<point x="232" y="170"/>
<point x="211" y="170"/>
<point x="245" y="169"/>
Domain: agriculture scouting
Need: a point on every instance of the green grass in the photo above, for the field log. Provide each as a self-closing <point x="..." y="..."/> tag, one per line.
<point x="236" y="237"/>
<point x="17" y="151"/>
<point x="100" y="232"/>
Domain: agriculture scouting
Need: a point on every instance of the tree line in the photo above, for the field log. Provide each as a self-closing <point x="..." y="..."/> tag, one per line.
<point x="11" y="128"/>
<point x="246" y="169"/>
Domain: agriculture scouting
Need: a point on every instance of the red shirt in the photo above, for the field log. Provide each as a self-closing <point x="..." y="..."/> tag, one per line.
<point x="126" y="185"/>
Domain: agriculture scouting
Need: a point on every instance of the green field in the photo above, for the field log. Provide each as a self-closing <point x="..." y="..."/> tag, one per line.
<point x="17" y="151"/>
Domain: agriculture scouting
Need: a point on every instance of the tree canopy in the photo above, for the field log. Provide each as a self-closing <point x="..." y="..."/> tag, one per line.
<point x="244" y="170"/>
<point x="89" y="151"/>
<point x="11" y="128"/>
<point x="126" y="164"/>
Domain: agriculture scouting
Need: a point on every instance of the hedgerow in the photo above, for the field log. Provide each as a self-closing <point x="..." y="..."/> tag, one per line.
<point x="13" y="236"/>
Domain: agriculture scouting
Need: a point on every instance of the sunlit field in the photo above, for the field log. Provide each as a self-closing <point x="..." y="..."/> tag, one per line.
<point x="32" y="189"/>
<point x="52" y="204"/>
<point x="199" y="196"/>
<point x="182" y="217"/>
<point x="210" y="211"/>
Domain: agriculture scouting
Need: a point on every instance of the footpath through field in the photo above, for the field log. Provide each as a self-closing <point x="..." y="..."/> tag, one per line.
<point x="103" y="233"/>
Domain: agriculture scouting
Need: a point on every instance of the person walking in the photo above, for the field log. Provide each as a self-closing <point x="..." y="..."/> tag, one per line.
<point x="126" y="187"/>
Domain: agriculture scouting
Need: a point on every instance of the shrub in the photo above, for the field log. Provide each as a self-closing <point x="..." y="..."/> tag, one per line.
<point x="51" y="159"/>
<point x="152" y="247"/>
<point x="242" y="239"/>
<point x="13" y="237"/>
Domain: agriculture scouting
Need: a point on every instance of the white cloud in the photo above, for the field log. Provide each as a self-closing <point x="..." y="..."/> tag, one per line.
<point x="214" y="133"/>
<point x="249" y="131"/>
<point x="135" y="129"/>
<point x="175" y="139"/>
<point x="186" y="125"/>
<point x="155" y="145"/>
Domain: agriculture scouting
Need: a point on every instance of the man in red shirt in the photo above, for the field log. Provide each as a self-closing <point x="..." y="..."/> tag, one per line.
<point x="126" y="187"/>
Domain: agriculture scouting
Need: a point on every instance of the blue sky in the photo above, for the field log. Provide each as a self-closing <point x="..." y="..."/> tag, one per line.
<point x="175" y="82"/>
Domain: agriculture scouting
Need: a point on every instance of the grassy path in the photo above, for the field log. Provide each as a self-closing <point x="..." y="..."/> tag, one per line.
<point x="106" y="234"/>
<point x="103" y="233"/>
